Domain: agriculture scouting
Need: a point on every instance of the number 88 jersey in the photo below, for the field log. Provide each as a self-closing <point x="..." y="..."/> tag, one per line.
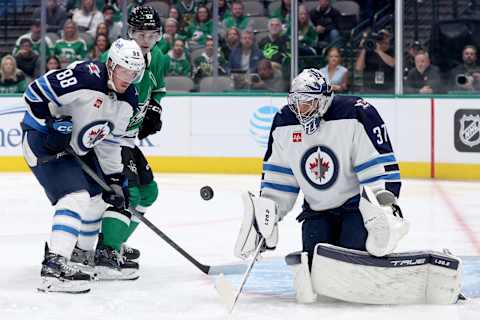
<point x="100" y="116"/>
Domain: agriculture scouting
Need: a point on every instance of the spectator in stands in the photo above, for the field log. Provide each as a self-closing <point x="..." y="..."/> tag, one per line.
<point x="87" y="17"/>
<point x="53" y="63"/>
<point x="34" y="36"/>
<point x="246" y="56"/>
<point x="203" y="65"/>
<point x="169" y="36"/>
<point x="424" y="78"/>
<point x="101" y="45"/>
<point x="324" y="17"/>
<point x="275" y="46"/>
<point x="283" y="12"/>
<point x="232" y="41"/>
<point x="466" y="76"/>
<point x="102" y="28"/>
<point x="237" y="19"/>
<point x="186" y="10"/>
<point x="376" y="62"/>
<point x="307" y="36"/>
<point x="27" y="60"/>
<point x="71" y="47"/>
<point x="200" y="28"/>
<point x="173" y="13"/>
<point x="114" y="27"/>
<point x="223" y="10"/>
<point x="413" y="49"/>
<point x="179" y="62"/>
<point x="334" y="71"/>
<point x="12" y="80"/>
<point x="56" y="15"/>
<point x="268" y="78"/>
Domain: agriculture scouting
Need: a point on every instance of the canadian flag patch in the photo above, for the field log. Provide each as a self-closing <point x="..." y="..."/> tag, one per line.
<point x="297" y="137"/>
<point x="98" y="103"/>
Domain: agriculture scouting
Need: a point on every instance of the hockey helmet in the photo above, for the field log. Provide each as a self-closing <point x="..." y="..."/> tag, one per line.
<point x="145" y="27"/>
<point x="127" y="55"/>
<point x="309" y="98"/>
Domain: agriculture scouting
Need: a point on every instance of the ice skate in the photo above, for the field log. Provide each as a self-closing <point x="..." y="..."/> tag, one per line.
<point x="110" y="265"/>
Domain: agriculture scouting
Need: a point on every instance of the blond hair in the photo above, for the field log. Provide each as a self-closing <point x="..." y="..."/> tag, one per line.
<point x="15" y="70"/>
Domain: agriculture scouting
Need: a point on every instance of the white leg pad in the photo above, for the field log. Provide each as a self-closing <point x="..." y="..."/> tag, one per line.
<point x="298" y="262"/>
<point x="91" y="222"/>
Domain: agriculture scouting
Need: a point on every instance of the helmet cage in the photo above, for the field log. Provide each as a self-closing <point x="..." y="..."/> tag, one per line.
<point x="309" y="117"/>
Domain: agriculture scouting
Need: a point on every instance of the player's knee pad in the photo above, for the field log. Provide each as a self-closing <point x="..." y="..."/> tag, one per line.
<point x="76" y="202"/>
<point x="69" y="212"/>
<point x="149" y="194"/>
<point x="134" y="196"/>
<point x="298" y="262"/>
<point x="96" y="208"/>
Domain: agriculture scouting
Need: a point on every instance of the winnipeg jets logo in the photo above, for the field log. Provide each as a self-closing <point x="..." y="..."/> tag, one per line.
<point x="93" y="69"/>
<point x="320" y="167"/>
<point x="93" y="133"/>
<point x="469" y="132"/>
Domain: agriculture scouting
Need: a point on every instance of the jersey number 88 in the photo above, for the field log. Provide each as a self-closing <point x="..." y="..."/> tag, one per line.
<point x="66" y="78"/>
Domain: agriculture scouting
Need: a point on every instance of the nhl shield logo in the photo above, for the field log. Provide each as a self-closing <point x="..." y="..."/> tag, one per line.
<point x="320" y="167"/>
<point x="469" y="132"/>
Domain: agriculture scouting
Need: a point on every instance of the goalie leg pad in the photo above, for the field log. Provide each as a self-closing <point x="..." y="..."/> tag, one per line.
<point x="406" y="278"/>
<point x="298" y="262"/>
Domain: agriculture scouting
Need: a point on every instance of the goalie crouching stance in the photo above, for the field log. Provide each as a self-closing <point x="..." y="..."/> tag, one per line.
<point x="336" y="150"/>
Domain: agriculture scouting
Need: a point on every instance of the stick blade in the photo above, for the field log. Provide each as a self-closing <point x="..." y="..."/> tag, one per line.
<point x="227" y="269"/>
<point x="225" y="291"/>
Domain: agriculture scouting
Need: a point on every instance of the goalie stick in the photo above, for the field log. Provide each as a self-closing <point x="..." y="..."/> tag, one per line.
<point x="207" y="269"/>
<point x="225" y="288"/>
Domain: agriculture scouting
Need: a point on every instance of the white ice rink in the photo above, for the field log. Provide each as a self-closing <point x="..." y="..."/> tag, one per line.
<point x="442" y="214"/>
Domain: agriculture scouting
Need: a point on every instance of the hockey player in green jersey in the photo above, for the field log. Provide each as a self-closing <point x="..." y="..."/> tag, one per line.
<point x="113" y="259"/>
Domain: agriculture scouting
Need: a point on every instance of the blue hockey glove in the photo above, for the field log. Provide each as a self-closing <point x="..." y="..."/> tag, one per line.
<point x="59" y="133"/>
<point x="119" y="197"/>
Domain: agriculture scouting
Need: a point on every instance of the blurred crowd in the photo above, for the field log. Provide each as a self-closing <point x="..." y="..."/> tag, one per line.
<point x="254" y="49"/>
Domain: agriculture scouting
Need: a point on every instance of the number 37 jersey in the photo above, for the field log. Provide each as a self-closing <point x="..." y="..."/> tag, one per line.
<point x="351" y="148"/>
<point x="100" y="116"/>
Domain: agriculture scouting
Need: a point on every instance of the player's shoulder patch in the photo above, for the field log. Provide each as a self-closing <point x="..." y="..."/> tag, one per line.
<point x="92" y="75"/>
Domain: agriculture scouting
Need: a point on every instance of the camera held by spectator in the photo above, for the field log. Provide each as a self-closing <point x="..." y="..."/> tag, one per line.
<point x="371" y="40"/>
<point x="464" y="79"/>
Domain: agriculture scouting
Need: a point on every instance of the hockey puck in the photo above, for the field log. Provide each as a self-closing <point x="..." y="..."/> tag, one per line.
<point x="206" y="193"/>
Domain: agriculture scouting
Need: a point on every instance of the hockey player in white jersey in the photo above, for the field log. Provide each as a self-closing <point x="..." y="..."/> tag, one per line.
<point x="335" y="149"/>
<point x="84" y="109"/>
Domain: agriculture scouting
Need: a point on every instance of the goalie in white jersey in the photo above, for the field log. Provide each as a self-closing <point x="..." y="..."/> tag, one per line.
<point x="84" y="109"/>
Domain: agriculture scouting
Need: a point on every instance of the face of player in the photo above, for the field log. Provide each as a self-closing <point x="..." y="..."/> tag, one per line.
<point x="146" y="39"/>
<point x="307" y="107"/>
<point x="122" y="78"/>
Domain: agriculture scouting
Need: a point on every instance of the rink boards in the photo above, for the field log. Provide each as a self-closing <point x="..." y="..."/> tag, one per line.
<point x="432" y="137"/>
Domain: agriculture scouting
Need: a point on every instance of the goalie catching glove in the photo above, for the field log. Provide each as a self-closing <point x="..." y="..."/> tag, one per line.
<point x="383" y="220"/>
<point x="259" y="220"/>
<point x="152" y="123"/>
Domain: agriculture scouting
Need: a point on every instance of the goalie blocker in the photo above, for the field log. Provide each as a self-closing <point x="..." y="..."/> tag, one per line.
<point x="422" y="277"/>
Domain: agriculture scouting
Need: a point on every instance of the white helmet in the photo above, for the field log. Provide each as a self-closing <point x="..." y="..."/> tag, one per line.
<point x="128" y="55"/>
<point x="309" y="98"/>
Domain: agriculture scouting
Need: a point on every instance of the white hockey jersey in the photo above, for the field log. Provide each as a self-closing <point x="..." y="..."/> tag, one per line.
<point x="100" y="116"/>
<point x="350" y="148"/>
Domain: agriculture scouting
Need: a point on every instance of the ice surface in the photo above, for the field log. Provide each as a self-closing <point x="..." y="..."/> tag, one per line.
<point x="442" y="214"/>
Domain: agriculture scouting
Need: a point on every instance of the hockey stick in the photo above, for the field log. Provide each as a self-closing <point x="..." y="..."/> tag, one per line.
<point x="210" y="270"/>
<point x="225" y="288"/>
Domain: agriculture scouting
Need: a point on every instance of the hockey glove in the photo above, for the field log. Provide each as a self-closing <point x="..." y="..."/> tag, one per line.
<point x="59" y="133"/>
<point x="119" y="197"/>
<point x="260" y="219"/>
<point x="152" y="123"/>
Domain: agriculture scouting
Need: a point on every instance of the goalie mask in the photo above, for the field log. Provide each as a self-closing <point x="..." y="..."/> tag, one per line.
<point x="145" y="27"/>
<point x="309" y="98"/>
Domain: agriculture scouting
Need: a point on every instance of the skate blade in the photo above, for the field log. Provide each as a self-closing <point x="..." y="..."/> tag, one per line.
<point x="86" y="269"/>
<point x="109" y="274"/>
<point x="63" y="286"/>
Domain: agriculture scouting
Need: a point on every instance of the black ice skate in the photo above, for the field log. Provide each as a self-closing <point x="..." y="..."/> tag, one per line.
<point x="84" y="260"/>
<point x="110" y="265"/>
<point x="58" y="276"/>
<point x="130" y="253"/>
